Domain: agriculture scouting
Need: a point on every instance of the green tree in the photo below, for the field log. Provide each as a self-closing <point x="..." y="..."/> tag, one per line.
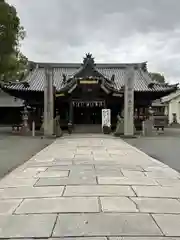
<point x="11" y="33"/>
<point x="17" y="65"/>
<point x="158" y="77"/>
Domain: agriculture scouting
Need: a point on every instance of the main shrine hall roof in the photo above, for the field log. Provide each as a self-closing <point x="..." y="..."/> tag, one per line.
<point x="34" y="80"/>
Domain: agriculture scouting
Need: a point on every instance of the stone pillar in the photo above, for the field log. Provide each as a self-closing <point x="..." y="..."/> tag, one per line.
<point x="45" y="118"/>
<point x="129" y="102"/>
<point x="48" y="103"/>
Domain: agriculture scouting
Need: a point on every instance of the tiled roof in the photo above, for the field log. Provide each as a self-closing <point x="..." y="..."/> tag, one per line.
<point x="170" y="97"/>
<point x="8" y="101"/>
<point x="36" y="77"/>
<point x="158" y="103"/>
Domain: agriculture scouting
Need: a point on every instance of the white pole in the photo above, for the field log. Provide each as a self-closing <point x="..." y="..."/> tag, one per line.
<point x="33" y="128"/>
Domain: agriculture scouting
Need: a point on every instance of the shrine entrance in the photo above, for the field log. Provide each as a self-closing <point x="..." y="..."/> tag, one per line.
<point x="88" y="113"/>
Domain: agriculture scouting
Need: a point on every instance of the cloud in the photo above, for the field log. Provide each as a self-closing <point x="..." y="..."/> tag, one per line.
<point x="114" y="31"/>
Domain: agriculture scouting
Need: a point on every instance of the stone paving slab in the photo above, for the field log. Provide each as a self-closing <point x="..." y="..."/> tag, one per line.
<point x="96" y="172"/>
<point x="132" y="174"/>
<point x="117" y="204"/>
<point x="81" y="238"/>
<point x="27" y="226"/>
<point x="105" y="238"/>
<point x="52" y="174"/>
<point x="17" y="182"/>
<point x="145" y="181"/>
<point x="70" y="167"/>
<point x="70" y="225"/>
<point x="76" y="172"/>
<point x="142" y="238"/>
<point x="120" y="167"/>
<point x="169" y="182"/>
<point x="78" y="157"/>
<point x="63" y="161"/>
<point x="97" y="190"/>
<point x="66" y="181"/>
<point x="31" y="192"/>
<point x="157" y="205"/>
<point x="108" y="173"/>
<point x="157" y="191"/>
<point x="9" y="206"/>
<point x="43" y="159"/>
<point x="165" y="171"/>
<point x="160" y="174"/>
<point x="28" y="172"/>
<point x="168" y="223"/>
<point x="59" y="205"/>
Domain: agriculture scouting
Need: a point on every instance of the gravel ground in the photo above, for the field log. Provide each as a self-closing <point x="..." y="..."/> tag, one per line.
<point x="15" y="150"/>
<point x="165" y="148"/>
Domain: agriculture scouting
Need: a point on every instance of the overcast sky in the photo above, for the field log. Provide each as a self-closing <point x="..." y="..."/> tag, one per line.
<point x="112" y="30"/>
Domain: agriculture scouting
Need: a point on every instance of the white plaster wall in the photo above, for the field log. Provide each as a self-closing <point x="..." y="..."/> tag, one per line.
<point x="174" y="107"/>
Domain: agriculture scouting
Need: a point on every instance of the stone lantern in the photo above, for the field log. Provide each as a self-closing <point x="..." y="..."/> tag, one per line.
<point x="25" y="118"/>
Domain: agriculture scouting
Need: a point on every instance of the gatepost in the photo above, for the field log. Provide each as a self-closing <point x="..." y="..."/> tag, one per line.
<point x="129" y="102"/>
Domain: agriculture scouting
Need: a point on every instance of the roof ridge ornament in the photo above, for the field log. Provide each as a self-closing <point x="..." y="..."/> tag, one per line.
<point x="88" y="60"/>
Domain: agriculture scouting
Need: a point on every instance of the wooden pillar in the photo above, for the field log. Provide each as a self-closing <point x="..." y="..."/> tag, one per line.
<point x="71" y="111"/>
<point x="129" y="103"/>
<point x="48" y="103"/>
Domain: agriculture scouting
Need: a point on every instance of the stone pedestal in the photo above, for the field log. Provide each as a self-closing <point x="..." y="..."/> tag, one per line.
<point x="57" y="128"/>
<point x="147" y="127"/>
<point x="119" y="128"/>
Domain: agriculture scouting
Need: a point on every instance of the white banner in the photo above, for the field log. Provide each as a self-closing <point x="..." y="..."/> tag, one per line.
<point x="106" y="117"/>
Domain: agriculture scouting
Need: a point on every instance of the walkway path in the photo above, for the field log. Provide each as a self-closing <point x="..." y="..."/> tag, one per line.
<point x="91" y="187"/>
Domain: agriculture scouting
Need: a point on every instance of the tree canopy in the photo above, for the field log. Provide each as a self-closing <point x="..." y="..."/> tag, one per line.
<point x="158" y="77"/>
<point x="12" y="61"/>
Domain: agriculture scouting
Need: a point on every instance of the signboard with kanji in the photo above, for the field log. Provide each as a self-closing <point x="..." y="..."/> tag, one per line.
<point x="106" y="117"/>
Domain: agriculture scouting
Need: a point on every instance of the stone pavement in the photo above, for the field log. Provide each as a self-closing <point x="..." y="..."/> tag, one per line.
<point x="94" y="188"/>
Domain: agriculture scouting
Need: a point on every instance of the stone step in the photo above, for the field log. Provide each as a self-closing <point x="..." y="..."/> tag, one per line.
<point x="87" y="128"/>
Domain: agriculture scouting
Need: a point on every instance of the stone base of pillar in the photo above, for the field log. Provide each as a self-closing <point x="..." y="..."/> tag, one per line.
<point x="120" y="130"/>
<point x="128" y="136"/>
<point x="25" y="130"/>
<point x="48" y="137"/>
<point x="57" y="128"/>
